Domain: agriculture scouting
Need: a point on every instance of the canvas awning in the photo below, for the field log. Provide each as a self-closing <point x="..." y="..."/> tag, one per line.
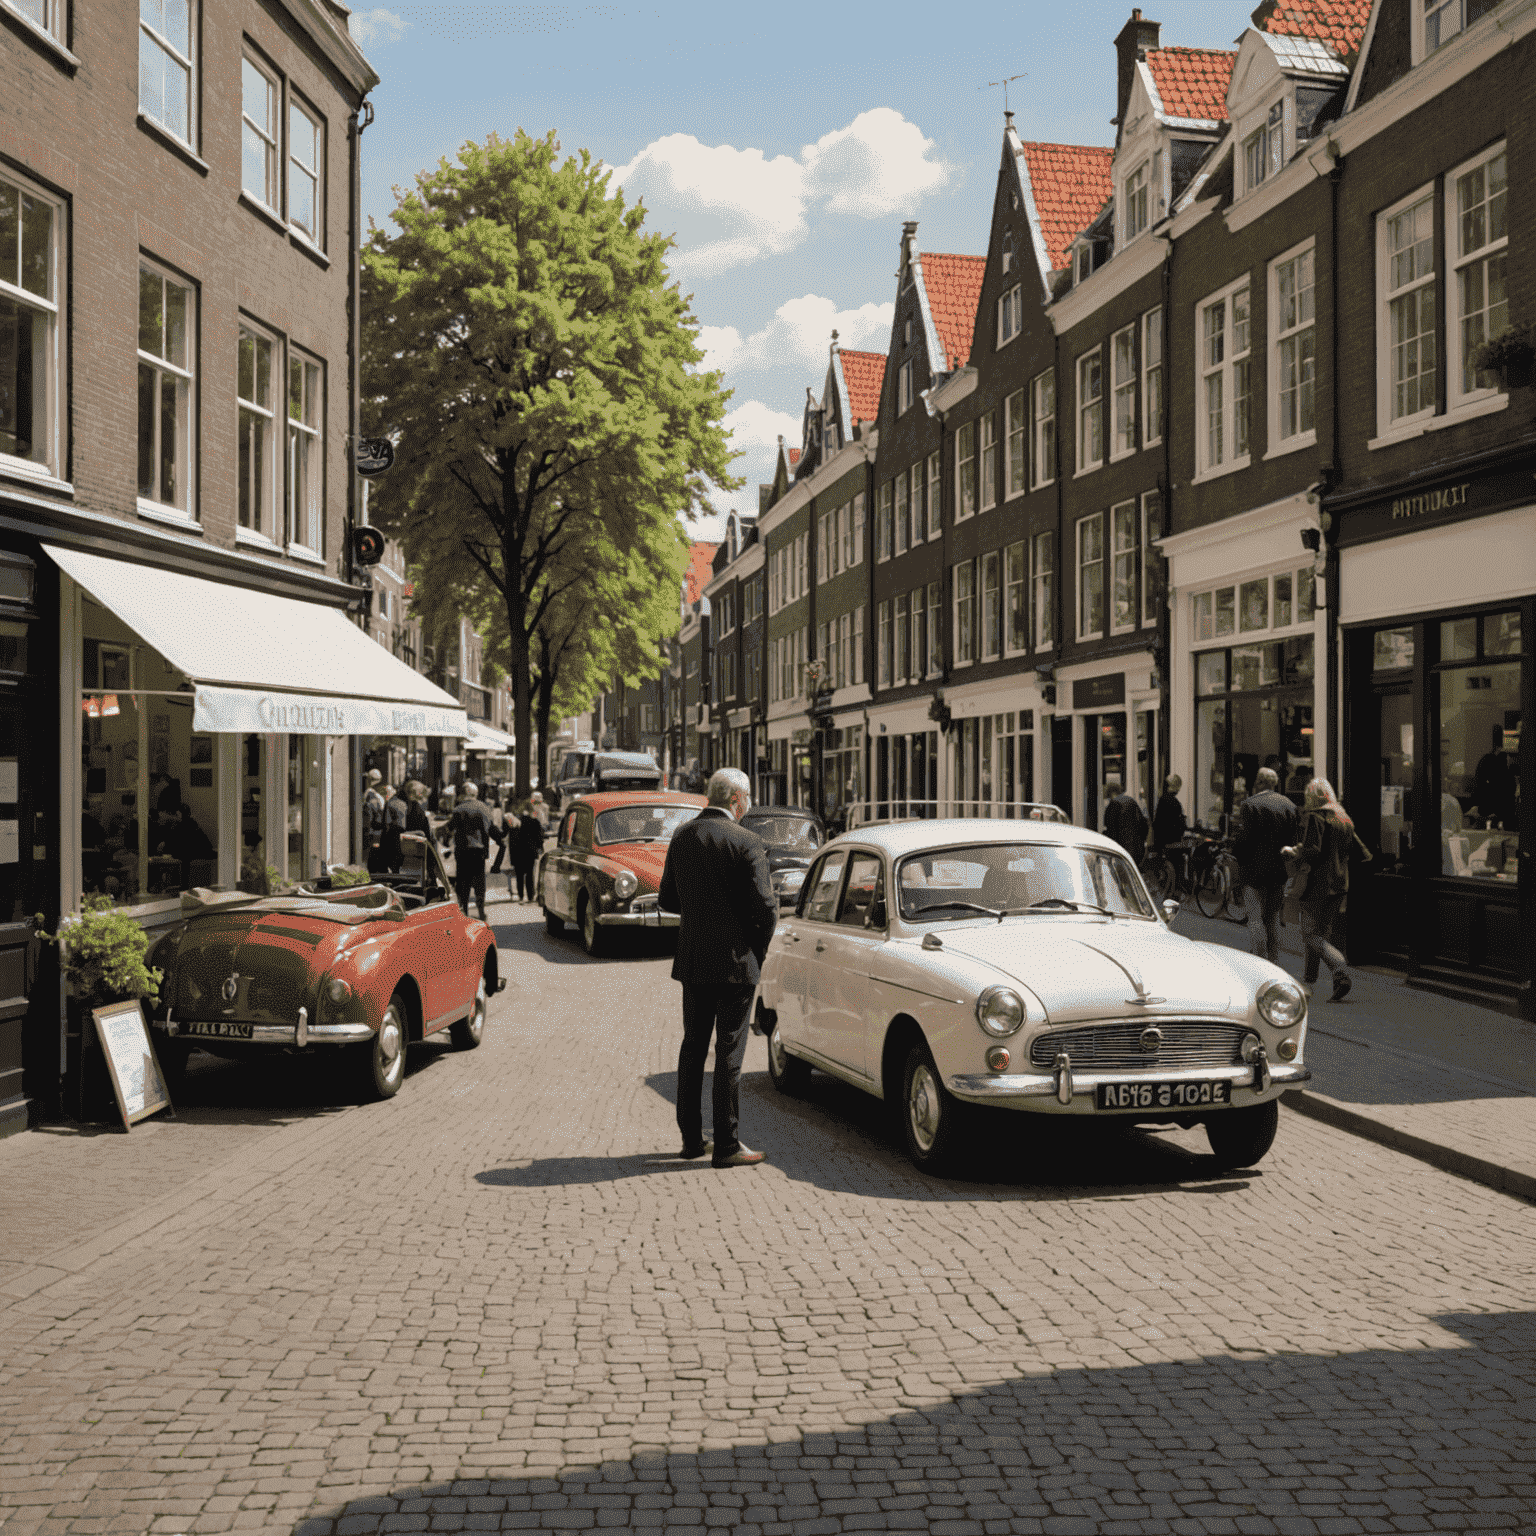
<point x="481" y="737"/>
<point x="258" y="662"/>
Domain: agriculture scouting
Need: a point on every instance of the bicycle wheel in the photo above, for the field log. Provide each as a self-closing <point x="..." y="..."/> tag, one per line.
<point x="1234" y="905"/>
<point x="1210" y="890"/>
<point x="1158" y="873"/>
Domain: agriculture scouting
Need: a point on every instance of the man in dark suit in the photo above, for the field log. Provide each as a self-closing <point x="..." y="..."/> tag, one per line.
<point x="1126" y="822"/>
<point x="717" y="877"/>
<point x="1266" y="822"/>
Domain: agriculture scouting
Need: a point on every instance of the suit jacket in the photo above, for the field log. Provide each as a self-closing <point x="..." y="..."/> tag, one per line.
<point x="1266" y="823"/>
<point x="1126" y="822"/>
<point x="472" y="828"/>
<point x="716" y="876"/>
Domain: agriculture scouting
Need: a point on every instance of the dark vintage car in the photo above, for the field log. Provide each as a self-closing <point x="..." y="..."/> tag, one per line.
<point x="367" y="969"/>
<point x="588" y="773"/>
<point x="793" y="835"/>
<point x="605" y="867"/>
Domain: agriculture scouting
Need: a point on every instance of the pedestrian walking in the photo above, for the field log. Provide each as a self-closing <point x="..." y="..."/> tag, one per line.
<point x="525" y="839"/>
<point x="417" y="818"/>
<point x="499" y="816"/>
<point x="1126" y="822"/>
<point x="1327" y="839"/>
<point x="716" y="876"/>
<point x="472" y="831"/>
<point x="373" y="821"/>
<point x="391" y="854"/>
<point x="541" y="810"/>
<point x="1266" y="824"/>
<point x="1169" y="826"/>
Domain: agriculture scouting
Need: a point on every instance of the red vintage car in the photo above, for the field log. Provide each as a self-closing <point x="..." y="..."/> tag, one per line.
<point x="605" y="868"/>
<point x="367" y="970"/>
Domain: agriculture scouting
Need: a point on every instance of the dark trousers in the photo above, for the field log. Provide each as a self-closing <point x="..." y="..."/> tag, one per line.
<point x="1317" y="919"/>
<point x="1264" y="903"/>
<point x="522" y="874"/>
<point x="724" y="1013"/>
<point x="469" y="876"/>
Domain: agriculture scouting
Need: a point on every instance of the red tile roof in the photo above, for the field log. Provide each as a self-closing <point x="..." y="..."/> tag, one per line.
<point x="1192" y="81"/>
<point x="953" y="285"/>
<point x="1339" y="23"/>
<point x="863" y="373"/>
<point x="700" y="558"/>
<point x="1069" y="184"/>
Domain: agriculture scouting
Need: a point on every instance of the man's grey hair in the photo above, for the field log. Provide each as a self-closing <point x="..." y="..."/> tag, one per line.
<point x="1265" y="778"/>
<point x="725" y="783"/>
<point x="471" y="790"/>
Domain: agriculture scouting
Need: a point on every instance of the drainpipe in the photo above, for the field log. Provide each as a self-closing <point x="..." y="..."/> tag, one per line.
<point x="1330" y="476"/>
<point x="1165" y="616"/>
<point x="356" y="124"/>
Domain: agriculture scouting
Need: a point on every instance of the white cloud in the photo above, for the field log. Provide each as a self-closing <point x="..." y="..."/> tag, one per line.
<point x="376" y="27"/>
<point x="799" y="334"/>
<point x="754" y="425"/>
<point x="733" y="206"/>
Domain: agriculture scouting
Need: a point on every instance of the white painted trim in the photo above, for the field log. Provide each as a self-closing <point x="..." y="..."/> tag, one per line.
<point x="938" y="359"/>
<point x="71" y="727"/>
<point x="947" y="395"/>
<point x="1126" y="268"/>
<point x="1031" y="213"/>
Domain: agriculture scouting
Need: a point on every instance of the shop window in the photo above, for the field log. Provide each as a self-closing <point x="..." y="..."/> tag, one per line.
<point x="1392" y="650"/>
<point x="1253" y="604"/>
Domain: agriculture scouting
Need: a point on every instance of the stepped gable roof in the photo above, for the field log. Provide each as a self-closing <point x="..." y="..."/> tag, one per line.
<point x="864" y="374"/>
<point x="1068" y="184"/>
<point x="1192" y="82"/>
<point x="953" y="286"/>
<point x="701" y="557"/>
<point x="1338" y="23"/>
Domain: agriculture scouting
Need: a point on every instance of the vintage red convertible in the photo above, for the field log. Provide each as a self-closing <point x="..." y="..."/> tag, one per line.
<point x="367" y="970"/>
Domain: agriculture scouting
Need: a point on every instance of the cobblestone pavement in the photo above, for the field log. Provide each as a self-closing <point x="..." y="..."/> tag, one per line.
<point x="499" y="1302"/>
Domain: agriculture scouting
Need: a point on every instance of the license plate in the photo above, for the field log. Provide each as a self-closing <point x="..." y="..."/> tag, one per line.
<point x="1164" y="1095"/>
<point x="217" y="1029"/>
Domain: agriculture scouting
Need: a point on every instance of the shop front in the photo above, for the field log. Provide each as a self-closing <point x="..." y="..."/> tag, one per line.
<point x="1105" y="737"/>
<point x="991" y="746"/>
<point x="1437" y="612"/>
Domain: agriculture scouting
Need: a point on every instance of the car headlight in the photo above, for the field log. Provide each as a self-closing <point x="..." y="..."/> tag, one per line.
<point x="1282" y="1003"/>
<point x="1000" y="1011"/>
<point x="337" y="991"/>
<point x="625" y="885"/>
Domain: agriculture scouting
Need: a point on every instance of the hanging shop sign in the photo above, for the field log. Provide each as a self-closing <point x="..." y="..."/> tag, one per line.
<point x="1098" y="692"/>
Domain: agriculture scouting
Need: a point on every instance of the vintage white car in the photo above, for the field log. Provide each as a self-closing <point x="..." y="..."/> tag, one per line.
<point x="939" y="964"/>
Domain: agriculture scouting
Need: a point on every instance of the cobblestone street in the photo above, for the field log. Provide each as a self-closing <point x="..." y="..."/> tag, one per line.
<point x="499" y="1302"/>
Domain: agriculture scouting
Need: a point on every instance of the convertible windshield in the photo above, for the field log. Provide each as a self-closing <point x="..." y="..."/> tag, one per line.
<point x="1005" y="878"/>
<point x="643" y="823"/>
<point x="795" y="833"/>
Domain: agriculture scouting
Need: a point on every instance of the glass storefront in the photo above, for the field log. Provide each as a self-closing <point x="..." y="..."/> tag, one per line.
<point x="906" y="775"/>
<point x="994" y="763"/>
<point x="1253" y="709"/>
<point x="1103" y="764"/>
<point x="842" y="769"/>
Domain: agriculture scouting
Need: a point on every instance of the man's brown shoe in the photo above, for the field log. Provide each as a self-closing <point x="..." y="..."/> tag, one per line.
<point x="742" y="1157"/>
<point x="704" y="1148"/>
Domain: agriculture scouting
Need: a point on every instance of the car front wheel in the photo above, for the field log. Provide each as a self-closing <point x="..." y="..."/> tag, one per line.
<point x="386" y="1053"/>
<point x="1240" y="1137"/>
<point x="593" y="939"/>
<point x="788" y="1073"/>
<point x="929" y="1113"/>
<point x="553" y="926"/>
<point x="468" y="1033"/>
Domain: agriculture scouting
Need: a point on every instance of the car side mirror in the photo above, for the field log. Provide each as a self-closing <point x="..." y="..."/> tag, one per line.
<point x="1170" y="911"/>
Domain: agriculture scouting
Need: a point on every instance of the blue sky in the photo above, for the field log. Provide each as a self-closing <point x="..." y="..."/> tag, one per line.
<point x="783" y="149"/>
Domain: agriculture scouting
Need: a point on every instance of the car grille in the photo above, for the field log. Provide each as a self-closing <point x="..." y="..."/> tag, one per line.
<point x="270" y="985"/>
<point x="1117" y="1047"/>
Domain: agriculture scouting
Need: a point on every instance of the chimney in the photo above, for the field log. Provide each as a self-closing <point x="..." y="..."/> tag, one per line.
<point x="1136" y="37"/>
<point x="908" y="242"/>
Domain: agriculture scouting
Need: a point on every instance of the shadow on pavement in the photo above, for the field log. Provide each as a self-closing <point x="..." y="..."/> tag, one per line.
<point x="1376" y="1439"/>
<point x="529" y="938"/>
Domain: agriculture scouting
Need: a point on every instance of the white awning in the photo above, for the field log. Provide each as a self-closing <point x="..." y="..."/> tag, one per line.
<point x="486" y="738"/>
<point x="263" y="663"/>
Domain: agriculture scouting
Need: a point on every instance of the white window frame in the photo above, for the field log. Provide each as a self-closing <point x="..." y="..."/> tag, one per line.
<point x="962" y="585"/>
<point x="935" y="495"/>
<point x="265" y="529"/>
<point x="47" y="401"/>
<point x="1151" y="529"/>
<point x="935" y="630"/>
<point x="152" y="506"/>
<point x="1016" y="597"/>
<point x="1016" y="452"/>
<point x="987" y="457"/>
<point x="1124" y="559"/>
<point x="1454" y="11"/>
<point x="901" y="640"/>
<point x="1225" y="365"/>
<point x="306" y="442"/>
<point x="1010" y="315"/>
<point x="965" y="471"/>
<point x="268" y="134"/>
<point x="883" y="645"/>
<point x="885" y="521"/>
<point x="1042" y="588"/>
<point x="1087" y="562"/>
<point x="1122" y="355"/>
<point x="858" y="529"/>
<point x="300" y="171"/>
<point x="1281" y="336"/>
<point x="1090" y="412"/>
<point x="989" y="584"/>
<point x="52" y="21"/>
<point x="904" y="388"/>
<point x="1263" y="150"/>
<point x="156" y="39"/>
<point x="1042" y="414"/>
<point x="1389" y="426"/>
<point x="902" y="522"/>
<point x="1152" y="377"/>
<point x="1137" y="202"/>
<point x="1457" y="396"/>
<point x="857" y="660"/>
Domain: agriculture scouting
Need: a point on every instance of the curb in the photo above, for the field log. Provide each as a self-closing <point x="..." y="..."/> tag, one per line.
<point x="1520" y="1182"/>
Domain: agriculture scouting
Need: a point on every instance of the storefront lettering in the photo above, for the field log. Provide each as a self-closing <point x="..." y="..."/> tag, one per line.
<point x="316" y="719"/>
<point x="1442" y="500"/>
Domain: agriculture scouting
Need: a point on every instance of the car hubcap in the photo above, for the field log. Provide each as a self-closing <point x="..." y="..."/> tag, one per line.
<point x="391" y="1046"/>
<point x="923" y="1108"/>
<point x="477" y="1016"/>
<point x="589" y="924"/>
<point x="777" y="1051"/>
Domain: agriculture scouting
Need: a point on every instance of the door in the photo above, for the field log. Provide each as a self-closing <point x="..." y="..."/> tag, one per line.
<point x="1061" y="763"/>
<point x="553" y="893"/>
<point x="839" y="965"/>
<point x="434" y="949"/>
<point x="801" y="1002"/>
<point x="23" y="846"/>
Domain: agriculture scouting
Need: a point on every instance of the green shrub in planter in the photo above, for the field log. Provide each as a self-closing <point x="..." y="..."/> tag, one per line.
<point x="102" y="951"/>
<point x="1511" y="355"/>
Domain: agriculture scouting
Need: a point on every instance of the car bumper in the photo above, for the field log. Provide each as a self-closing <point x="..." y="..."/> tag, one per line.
<point x="1048" y="1092"/>
<point x="301" y="1033"/>
<point x="645" y="917"/>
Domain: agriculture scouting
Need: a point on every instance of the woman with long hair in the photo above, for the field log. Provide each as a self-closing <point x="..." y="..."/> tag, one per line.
<point x="1327" y="836"/>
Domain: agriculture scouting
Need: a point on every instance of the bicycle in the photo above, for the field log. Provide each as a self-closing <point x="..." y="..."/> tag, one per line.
<point x="1213" y="877"/>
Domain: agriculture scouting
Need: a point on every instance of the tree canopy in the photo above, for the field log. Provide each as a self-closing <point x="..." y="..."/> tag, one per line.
<point x="537" y="370"/>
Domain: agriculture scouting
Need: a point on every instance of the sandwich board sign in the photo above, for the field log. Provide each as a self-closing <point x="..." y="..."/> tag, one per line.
<point x="136" y="1076"/>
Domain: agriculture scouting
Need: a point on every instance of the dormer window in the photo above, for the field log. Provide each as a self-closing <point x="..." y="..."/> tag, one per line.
<point x="906" y="332"/>
<point x="1082" y="262"/>
<point x="1438" y="21"/>
<point x="904" y="386"/>
<point x="1010" y="314"/>
<point x="1007" y="254"/>
<point x="1137" y="198"/>
<point x="1264" y="149"/>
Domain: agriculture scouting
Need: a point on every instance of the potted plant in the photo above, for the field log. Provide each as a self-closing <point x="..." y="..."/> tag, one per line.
<point x="1510" y="356"/>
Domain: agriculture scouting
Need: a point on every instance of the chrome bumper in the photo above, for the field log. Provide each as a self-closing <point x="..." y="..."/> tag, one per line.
<point x="302" y="1033"/>
<point x="987" y="1086"/>
<point x="641" y="914"/>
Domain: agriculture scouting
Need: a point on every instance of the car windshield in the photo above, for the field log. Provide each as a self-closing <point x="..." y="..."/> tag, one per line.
<point x="643" y="823"/>
<point x="1011" y="878"/>
<point x="797" y="834"/>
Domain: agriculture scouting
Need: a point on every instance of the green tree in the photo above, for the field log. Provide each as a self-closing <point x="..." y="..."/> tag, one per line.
<point x="525" y="349"/>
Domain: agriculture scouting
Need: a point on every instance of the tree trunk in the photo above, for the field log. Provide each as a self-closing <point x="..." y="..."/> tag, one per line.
<point x="545" y="707"/>
<point x="522" y="733"/>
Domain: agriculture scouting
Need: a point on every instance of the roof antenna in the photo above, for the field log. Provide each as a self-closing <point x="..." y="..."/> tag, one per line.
<point x="1005" y="83"/>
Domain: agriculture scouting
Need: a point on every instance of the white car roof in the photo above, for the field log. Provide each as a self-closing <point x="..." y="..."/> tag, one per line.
<point x="899" y="838"/>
